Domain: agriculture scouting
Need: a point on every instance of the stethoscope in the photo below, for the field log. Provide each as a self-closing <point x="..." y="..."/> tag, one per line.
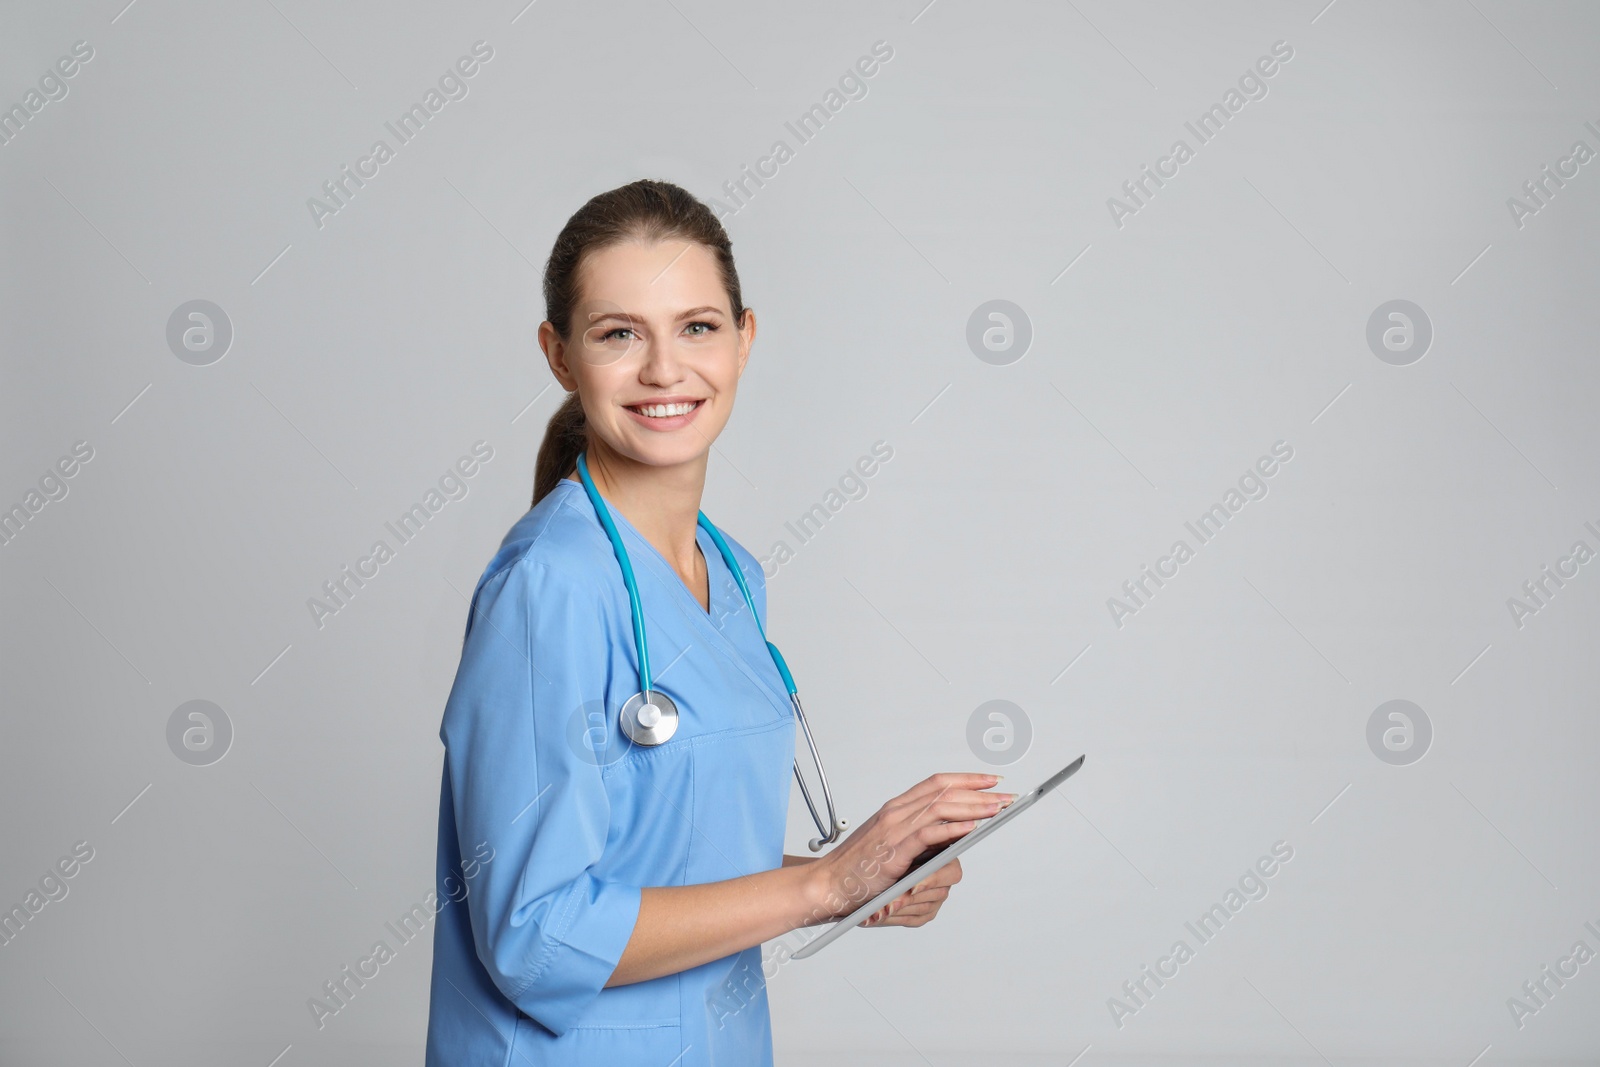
<point x="649" y="717"/>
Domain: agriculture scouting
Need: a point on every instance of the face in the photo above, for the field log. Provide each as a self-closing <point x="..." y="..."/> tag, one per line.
<point x="654" y="354"/>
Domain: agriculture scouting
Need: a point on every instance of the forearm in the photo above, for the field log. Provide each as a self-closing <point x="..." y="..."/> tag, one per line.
<point x="684" y="926"/>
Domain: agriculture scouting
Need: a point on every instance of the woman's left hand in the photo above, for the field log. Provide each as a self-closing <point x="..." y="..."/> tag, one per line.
<point x="921" y="903"/>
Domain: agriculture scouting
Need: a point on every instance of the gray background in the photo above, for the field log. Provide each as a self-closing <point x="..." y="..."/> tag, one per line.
<point x="1229" y="313"/>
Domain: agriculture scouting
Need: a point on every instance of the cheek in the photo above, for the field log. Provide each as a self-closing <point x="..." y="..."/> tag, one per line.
<point x="724" y="377"/>
<point x="723" y="409"/>
<point x="727" y="391"/>
<point x="714" y="416"/>
<point x="600" y="387"/>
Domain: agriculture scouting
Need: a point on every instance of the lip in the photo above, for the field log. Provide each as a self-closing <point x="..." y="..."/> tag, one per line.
<point x="676" y="422"/>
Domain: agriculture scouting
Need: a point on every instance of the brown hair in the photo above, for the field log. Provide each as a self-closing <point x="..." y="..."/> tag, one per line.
<point x="644" y="210"/>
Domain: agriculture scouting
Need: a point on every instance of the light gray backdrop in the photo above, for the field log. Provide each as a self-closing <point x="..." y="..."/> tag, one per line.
<point x="1152" y="352"/>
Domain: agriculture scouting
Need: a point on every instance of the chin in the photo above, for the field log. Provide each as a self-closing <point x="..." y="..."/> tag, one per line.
<point x="667" y="453"/>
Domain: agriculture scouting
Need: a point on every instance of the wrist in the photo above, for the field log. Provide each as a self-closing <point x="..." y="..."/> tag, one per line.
<point x="815" y="891"/>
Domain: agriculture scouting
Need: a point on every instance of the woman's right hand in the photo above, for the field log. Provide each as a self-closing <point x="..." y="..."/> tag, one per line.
<point x="879" y="852"/>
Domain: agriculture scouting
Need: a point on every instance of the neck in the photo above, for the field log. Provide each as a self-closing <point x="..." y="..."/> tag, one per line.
<point x="662" y="503"/>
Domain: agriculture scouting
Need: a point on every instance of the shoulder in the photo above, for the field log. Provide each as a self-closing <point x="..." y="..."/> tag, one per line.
<point x="556" y="544"/>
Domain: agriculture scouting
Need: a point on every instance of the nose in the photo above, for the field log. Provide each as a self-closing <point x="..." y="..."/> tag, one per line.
<point x="661" y="365"/>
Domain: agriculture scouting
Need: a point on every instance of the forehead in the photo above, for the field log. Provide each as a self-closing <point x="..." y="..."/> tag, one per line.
<point x="651" y="278"/>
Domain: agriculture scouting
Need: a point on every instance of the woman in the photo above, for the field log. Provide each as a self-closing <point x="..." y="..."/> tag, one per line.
<point x="608" y="900"/>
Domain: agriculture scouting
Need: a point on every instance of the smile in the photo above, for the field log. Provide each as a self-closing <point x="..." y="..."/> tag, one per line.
<point x="665" y="416"/>
<point x="663" y="411"/>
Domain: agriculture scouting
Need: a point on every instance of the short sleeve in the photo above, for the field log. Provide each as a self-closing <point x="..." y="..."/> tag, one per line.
<point x="548" y="930"/>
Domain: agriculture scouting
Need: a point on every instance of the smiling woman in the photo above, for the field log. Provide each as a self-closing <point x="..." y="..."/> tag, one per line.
<point x="639" y="817"/>
<point x="659" y="259"/>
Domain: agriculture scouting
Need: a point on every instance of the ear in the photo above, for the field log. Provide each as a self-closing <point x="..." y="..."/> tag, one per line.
<point x="555" y="353"/>
<point x="747" y="336"/>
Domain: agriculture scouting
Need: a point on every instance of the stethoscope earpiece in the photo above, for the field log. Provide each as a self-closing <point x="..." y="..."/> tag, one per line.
<point x="816" y="843"/>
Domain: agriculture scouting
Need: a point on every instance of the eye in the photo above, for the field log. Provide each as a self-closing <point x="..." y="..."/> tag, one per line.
<point x="710" y="327"/>
<point x="612" y="333"/>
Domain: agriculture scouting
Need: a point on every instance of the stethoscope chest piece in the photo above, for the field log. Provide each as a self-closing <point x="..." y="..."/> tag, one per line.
<point x="649" y="719"/>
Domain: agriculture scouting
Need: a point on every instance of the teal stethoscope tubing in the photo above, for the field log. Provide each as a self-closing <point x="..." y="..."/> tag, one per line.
<point x="833" y="829"/>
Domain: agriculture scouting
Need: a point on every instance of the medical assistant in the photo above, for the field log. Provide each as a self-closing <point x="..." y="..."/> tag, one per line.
<point x="579" y="820"/>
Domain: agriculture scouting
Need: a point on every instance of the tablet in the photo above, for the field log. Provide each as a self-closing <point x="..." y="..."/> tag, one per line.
<point x="935" y="858"/>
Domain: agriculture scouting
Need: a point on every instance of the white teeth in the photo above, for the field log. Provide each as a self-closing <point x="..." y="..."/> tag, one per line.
<point x="663" y="411"/>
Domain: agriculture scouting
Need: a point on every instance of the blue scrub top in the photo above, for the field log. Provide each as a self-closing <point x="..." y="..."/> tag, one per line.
<point x="550" y="821"/>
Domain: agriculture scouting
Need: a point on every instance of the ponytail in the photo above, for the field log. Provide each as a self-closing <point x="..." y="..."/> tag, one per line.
<point x="564" y="438"/>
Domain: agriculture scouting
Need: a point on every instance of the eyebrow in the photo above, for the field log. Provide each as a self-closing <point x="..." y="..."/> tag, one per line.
<point x="627" y="317"/>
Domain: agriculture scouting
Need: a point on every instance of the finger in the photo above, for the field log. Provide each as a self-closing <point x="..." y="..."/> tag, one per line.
<point x="937" y="880"/>
<point x="910" y="898"/>
<point x="939" y="833"/>
<point x="913" y="916"/>
<point x="889" y="912"/>
<point x="948" y="809"/>
<point x="944" y="809"/>
<point x="949" y="874"/>
<point x="921" y="907"/>
<point x="946" y="876"/>
<point x="903" y="808"/>
<point x="921" y="800"/>
<point x="941" y="782"/>
<point x="928" y="896"/>
<point x="910" y="905"/>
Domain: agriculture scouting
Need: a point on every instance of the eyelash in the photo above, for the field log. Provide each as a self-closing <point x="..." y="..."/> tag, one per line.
<point x="711" y="327"/>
